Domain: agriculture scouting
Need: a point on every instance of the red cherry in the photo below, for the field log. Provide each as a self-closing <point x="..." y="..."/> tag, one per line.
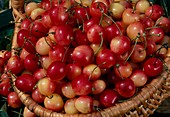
<point x="59" y="16"/>
<point x="108" y="98"/>
<point x="83" y="55"/>
<point x="154" y="12"/>
<point x="153" y="67"/>
<point x="57" y="71"/>
<point x="63" y="35"/>
<point x="82" y="85"/>
<point x="126" y="88"/>
<point x="25" y="83"/>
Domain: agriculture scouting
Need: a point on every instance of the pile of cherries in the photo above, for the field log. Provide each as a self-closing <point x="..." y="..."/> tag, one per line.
<point x="81" y="56"/>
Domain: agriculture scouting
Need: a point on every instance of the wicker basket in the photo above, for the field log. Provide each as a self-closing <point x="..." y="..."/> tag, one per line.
<point x="143" y="104"/>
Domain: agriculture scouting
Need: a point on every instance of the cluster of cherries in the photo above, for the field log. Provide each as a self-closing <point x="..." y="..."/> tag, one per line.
<point x="80" y="56"/>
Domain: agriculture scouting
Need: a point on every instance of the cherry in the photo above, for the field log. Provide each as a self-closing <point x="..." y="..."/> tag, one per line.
<point x="81" y="14"/>
<point x="139" y="78"/>
<point x="38" y="29"/>
<point x="81" y="37"/>
<point x="120" y="44"/>
<point x="69" y="106"/>
<point x="126" y="88"/>
<point x="25" y="83"/>
<point x="13" y="100"/>
<point x="46" y="86"/>
<point x="67" y="90"/>
<point x="95" y="34"/>
<point x="31" y="62"/>
<point x="111" y="32"/>
<point x="105" y="58"/>
<point x="92" y="71"/>
<point x="25" y="24"/>
<point x="153" y="67"/>
<point x="46" y="19"/>
<point x="37" y="96"/>
<point x="97" y="9"/>
<point x="83" y="55"/>
<point x="156" y="34"/>
<point x="5" y="88"/>
<point x="82" y="85"/>
<point x="84" y="104"/>
<point x="73" y="70"/>
<point x="54" y="103"/>
<point x="88" y="23"/>
<point x="63" y="35"/>
<point x="108" y="98"/>
<point x="122" y="69"/>
<point x="154" y="12"/>
<point x="59" y="16"/>
<point x="57" y="70"/>
<point x="15" y="64"/>
<point x="57" y="53"/>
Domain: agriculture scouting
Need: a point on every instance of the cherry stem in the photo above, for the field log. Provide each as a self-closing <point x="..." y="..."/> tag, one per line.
<point x="100" y="46"/>
<point x="117" y="67"/>
<point x="95" y="69"/>
<point x="153" y="27"/>
<point x="152" y="10"/>
<point x="158" y="21"/>
<point x="50" y="97"/>
<point x="114" y="23"/>
<point x="136" y="41"/>
<point x="48" y="43"/>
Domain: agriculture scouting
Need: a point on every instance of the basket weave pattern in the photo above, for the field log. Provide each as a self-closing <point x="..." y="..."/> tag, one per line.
<point x="143" y="104"/>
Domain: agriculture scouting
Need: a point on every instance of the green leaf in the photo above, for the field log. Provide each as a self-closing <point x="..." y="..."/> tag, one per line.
<point x="3" y="114"/>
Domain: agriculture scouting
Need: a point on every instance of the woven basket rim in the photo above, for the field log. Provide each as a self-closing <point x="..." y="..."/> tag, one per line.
<point x="144" y="103"/>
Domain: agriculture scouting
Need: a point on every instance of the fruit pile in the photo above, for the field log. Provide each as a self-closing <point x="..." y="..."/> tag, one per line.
<point x="81" y="56"/>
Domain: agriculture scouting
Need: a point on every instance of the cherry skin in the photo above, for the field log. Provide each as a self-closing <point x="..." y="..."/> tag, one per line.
<point x="120" y="44"/>
<point x="105" y="58"/>
<point x="92" y="71"/>
<point x="153" y="67"/>
<point x="46" y="86"/>
<point x="25" y="24"/>
<point x="59" y="16"/>
<point x="37" y="96"/>
<point x="69" y="106"/>
<point x="63" y="35"/>
<point x="108" y="98"/>
<point x="97" y="8"/>
<point x="139" y="78"/>
<point x="38" y="29"/>
<point x="84" y="104"/>
<point x="15" y="64"/>
<point x="156" y="34"/>
<point x="73" y="70"/>
<point x="83" y="55"/>
<point x="13" y="100"/>
<point x="55" y="103"/>
<point x="57" y="53"/>
<point x="139" y="53"/>
<point x="81" y="37"/>
<point x="154" y="12"/>
<point x="82" y="85"/>
<point x="31" y="62"/>
<point x="5" y="88"/>
<point x="95" y="34"/>
<point x="25" y="83"/>
<point x="57" y="70"/>
<point x="88" y="23"/>
<point x="111" y="32"/>
<point x="122" y="69"/>
<point x="81" y="14"/>
<point x="126" y="88"/>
